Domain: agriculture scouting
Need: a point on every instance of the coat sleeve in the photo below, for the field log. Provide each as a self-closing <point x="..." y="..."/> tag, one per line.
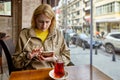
<point x="20" y="59"/>
<point x="64" y="51"/>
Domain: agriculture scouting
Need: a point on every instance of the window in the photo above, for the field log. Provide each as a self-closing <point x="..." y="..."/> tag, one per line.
<point x="118" y="6"/>
<point x="106" y="19"/>
<point x="5" y="8"/>
<point x="105" y="9"/>
<point x="116" y="36"/>
<point x="78" y="12"/>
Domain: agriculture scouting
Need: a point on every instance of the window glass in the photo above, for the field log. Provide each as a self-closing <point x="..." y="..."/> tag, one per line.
<point x="116" y="36"/>
<point x="76" y="14"/>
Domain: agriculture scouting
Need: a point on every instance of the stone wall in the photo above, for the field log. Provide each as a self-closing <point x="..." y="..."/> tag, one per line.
<point x="21" y="17"/>
<point x="6" y="25"/>
<point x="22" y="11"/>
<point x="28" y="7"/>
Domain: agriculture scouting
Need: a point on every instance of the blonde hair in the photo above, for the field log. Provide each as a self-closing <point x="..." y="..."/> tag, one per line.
<point x="46" y="10"/>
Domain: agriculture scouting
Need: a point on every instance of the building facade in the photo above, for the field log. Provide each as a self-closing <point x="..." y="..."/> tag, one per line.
<point x="76" y="13"/>
<point x="107" y="15"/>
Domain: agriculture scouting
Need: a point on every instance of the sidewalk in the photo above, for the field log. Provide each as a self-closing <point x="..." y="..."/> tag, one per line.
<point x="100" y="61"/>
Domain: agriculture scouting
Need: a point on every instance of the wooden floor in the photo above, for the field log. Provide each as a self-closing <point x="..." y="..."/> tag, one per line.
<point x="4" y="75"/>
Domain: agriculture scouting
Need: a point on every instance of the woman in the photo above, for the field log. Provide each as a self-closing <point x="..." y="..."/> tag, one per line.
<point x="45" y="37"/>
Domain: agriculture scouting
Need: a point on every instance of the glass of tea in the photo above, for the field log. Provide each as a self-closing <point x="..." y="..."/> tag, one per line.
<point x="59" y="69"/>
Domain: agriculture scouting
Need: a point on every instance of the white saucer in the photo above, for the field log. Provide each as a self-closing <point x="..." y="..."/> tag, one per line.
<point x="51" y="74"/>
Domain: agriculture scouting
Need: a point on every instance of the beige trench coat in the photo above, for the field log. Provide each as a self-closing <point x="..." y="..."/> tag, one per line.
<point x="55" y="41"/>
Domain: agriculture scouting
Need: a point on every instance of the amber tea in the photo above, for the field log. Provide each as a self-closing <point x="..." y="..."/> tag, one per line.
<point x="59" y="69"/>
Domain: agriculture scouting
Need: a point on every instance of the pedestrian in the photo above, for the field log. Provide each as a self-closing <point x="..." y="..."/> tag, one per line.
<point x="42" y="36"/>
<point x="97" y="34"/>
<point x="67" y="38"/>
<point x="67" y="35"/>
<point x="102" y="33"/>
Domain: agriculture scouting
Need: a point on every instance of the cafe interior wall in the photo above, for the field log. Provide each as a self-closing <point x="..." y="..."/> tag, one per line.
<point x="22" y="11"/>
<point x="27" y="11"/>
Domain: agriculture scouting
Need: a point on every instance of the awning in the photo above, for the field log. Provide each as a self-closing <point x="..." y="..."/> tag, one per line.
<point x="108" y="20"/>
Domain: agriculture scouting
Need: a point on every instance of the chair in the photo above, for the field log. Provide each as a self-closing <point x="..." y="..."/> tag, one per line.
<point x="9" y="48"/>
<point x="1" y="36"/>
<point x="1" y="59"/>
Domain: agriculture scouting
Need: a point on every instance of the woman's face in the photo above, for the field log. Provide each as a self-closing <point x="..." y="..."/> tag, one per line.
<point x="43" y="22"/>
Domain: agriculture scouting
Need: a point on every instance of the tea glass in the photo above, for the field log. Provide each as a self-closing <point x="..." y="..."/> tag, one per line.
<point x="59" y="69"/>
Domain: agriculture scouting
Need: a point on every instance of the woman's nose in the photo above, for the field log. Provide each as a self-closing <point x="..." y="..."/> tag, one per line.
<point x="44" y="23"/>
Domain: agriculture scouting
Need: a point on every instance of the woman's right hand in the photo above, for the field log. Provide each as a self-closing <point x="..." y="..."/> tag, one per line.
<point x="35" y="52"/>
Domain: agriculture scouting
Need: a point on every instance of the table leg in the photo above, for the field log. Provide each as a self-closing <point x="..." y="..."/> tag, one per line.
<point x="1" y="71"/>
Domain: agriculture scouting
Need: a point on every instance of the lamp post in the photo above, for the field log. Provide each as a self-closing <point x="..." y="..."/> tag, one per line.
<point x="91" y="29"/>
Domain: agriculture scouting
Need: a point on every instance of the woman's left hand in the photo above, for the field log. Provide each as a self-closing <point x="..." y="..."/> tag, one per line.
<point x="48" y="59"/>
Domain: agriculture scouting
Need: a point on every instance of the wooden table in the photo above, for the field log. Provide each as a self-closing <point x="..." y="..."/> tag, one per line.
<point x="83" y="72"/>
<point x="1" y="70"/>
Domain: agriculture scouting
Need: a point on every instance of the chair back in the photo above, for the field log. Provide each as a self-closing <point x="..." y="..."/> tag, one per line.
<point x="9" y="48"/>
<point x="1" y="36"/>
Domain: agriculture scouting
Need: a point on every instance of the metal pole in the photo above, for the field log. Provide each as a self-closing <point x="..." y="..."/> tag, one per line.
<point x="82" y="17"/>
<point x="91" y="29"/>
<point x="66" y="13"/>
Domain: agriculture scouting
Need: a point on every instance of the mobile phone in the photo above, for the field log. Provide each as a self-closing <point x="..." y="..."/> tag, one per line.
<point x="47" y="53"/>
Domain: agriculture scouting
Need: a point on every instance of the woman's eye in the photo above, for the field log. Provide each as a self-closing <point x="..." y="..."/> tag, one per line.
<point x="47" y="21"/>
<point x="41" y="21"/>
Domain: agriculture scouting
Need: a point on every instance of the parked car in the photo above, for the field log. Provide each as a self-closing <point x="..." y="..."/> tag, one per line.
<point x="72" y="34"/>
<point x="83" y="40"/>
<point x="112" y="42"/>
<point x="74" y="39"/>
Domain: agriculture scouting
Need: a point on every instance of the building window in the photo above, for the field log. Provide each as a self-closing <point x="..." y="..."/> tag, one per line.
<point x="78" y="12"/>
<point x="77" y="4"/>
<point x="118" y="6"/>
<point x="105" y="9"/>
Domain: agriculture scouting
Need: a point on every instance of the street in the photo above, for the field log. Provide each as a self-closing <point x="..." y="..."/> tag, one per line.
<point x="102" y="60"/>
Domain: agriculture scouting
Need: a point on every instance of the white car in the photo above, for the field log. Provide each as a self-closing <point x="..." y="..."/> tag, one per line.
<point x="112" y="42"/>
